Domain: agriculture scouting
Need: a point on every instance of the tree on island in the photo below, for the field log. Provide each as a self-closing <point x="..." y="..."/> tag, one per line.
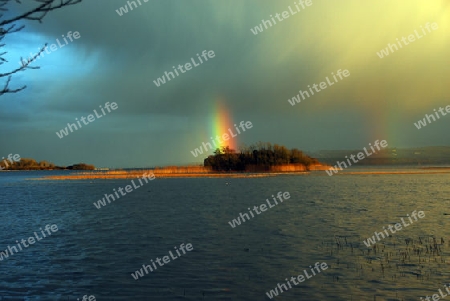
<point x="81" y="166"/>
<point x="262" y="155"/>
<point x="31" y="164"/>
<point x="9" y="26"/>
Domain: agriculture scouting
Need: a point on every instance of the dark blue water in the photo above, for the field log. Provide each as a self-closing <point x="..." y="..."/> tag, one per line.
<point x="95" y="250"/>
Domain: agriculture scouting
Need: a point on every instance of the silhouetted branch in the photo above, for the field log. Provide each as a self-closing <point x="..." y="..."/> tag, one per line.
<point x="8" y="26"/>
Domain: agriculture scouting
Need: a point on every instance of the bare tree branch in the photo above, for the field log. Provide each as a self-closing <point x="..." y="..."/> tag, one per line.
<point x="39" y="12"/>
<point x="8" y="26"/>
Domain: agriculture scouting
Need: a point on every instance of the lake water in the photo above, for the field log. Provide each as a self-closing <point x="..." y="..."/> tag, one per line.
<point x="326" y="219"/>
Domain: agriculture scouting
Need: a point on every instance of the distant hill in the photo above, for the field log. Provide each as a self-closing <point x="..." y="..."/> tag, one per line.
<point x="433" y="155"/>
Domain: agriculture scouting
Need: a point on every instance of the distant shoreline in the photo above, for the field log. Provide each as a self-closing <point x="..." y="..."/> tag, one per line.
<point x="394" y="173"/>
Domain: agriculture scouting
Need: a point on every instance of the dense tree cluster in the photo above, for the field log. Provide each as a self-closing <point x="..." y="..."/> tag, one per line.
<point x="263" y="155"/>
<point x="31" y="164"/>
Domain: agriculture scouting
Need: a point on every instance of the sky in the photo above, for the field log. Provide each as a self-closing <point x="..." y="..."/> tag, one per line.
<point x="250" y="78"/>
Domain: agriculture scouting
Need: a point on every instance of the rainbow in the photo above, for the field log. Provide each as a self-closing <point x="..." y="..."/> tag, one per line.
<point x="221" y="123"/>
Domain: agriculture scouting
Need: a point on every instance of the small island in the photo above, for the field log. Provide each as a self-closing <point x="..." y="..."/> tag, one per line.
<point x="259" y="160"/>
<point x="31" y="164"/>
<point x="260" y="157"/>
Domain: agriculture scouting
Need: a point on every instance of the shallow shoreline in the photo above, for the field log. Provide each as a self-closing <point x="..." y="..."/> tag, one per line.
<point x="138" y="174"/>
<point x="132" y="174"/>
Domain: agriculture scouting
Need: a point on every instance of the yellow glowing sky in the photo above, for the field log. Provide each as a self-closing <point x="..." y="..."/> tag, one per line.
<point x="349" y="34"/>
